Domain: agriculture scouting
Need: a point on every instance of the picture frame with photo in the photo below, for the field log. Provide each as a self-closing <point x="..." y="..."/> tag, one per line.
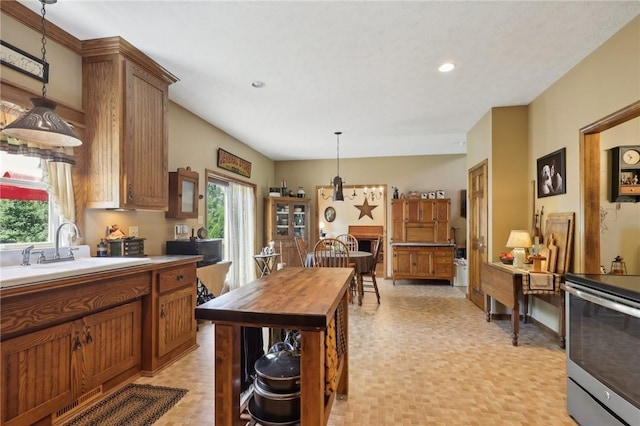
<point x="551" y="174"/>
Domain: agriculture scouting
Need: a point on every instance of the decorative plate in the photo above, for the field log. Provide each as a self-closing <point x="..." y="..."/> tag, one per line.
<point x="330" y="214"/>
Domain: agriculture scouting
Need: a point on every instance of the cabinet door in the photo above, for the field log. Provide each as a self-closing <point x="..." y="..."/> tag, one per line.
<point x="37" y="375"/>
<point x="177" y="324"/>
<point x="299" y="220"/>
<point x="397" y="221"/>
<point x="442" y="213"/>
<point x="413" y="211"/>
<point x="282" y="218"/>
<point x="422" y="262"/>
<point x="145" y="174"/>
<point x="401" y="261"/>
<point x="111" y="342"/>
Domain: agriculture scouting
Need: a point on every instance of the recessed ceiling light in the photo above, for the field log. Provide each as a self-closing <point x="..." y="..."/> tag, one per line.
<point x="258" y="84"/>
<point x="446" y="67"/>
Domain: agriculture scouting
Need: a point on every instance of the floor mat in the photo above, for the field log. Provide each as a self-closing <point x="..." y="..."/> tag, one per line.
<point x="133" y="405"/>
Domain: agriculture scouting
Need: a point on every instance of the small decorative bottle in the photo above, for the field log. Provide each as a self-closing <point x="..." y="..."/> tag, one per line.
<point x="102" y="249"/>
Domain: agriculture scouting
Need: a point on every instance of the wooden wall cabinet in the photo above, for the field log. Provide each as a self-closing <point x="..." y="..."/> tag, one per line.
<point x="183" y="194"/>
<point x="624" y="174"/>
<point x="50" y="368"/>
<point x="423" y="262"/>
<point x="125" y="98"/>
<point x="285" y="219"/>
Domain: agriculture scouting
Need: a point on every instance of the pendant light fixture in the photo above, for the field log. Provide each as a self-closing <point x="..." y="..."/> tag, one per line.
<point x="337" y="181"/>
<point x="41" y="124"/>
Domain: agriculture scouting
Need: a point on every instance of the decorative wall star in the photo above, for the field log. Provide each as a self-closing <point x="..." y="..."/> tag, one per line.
<point x="365" y="209"/>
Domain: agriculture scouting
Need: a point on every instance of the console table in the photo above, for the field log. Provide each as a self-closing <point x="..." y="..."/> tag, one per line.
<point x="296" y="298"/>
<point x="505" y="284"/>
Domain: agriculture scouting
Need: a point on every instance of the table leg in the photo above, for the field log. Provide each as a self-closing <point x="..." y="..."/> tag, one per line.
<point x="487" y="307"/>
<point x="563" y="324"/>
<point x="515" y="323"/>
<point x="312" y="364"/>
<point x="360" y="287"/>
<point x="525" y="308"/>
<point x="227" y="378"/>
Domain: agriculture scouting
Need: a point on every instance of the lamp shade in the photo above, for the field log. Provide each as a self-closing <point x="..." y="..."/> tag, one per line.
<point x="338" y="195"/>
<point x="519" y="239"/>
<point x="42" y="125"/>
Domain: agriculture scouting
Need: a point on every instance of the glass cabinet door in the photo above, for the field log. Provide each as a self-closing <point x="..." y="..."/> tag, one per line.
<point x="188" y="196"/>
<point x="282" y="220"/>
<point x="299" y="220"/>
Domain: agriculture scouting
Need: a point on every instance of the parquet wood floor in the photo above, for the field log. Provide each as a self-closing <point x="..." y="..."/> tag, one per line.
<point x="424" y="356"/>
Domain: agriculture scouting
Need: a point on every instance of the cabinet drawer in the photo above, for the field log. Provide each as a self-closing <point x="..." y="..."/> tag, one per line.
<point x="171" y="279"/>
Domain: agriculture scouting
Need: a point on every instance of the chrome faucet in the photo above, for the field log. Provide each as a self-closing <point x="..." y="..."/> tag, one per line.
<point x="26" y="256"/>
<point x="56" y="253"/>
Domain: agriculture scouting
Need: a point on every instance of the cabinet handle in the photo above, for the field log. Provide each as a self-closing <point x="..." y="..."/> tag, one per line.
<point x="179" y="277"/>
<point x="162" y="312"/>
<point x="130" y="193"/>
<point x="87" y="336"/>
<point x="77" y="344"/>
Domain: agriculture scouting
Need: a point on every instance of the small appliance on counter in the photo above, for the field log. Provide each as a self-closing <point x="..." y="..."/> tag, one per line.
<point x="126" y="247"/>
<point x="209" y="248"/>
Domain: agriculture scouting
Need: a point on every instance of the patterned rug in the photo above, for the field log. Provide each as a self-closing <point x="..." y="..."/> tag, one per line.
<point x="133" y="405"/>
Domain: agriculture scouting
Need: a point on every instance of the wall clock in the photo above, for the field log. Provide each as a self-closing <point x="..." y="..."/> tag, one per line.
<point x="330" y="214"/>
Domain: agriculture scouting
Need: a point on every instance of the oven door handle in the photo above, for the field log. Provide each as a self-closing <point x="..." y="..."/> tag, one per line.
<point x="607" y="303"/>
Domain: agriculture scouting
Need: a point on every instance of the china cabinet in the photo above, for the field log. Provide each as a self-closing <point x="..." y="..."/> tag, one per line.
<point x="183" y="194"/>
<point x="285" y="219"/>
<point x="125" y="98"/>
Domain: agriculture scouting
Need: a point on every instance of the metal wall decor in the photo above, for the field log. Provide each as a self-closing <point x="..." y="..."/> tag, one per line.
<point x="233" y="163"/>
<point x="23" y="62"/>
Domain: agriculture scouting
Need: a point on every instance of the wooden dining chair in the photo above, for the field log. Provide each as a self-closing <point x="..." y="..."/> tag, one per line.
<point x="369" y="283"/>
<point x="349" y="240"/>
<point x="301" y="245"/>
<point x="333" y="253"/>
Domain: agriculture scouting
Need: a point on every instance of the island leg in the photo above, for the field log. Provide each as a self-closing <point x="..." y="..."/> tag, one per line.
<point x="227" y="379"/>
<point x="312" y="362"/>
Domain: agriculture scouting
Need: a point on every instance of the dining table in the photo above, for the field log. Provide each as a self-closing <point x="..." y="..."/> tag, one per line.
<point x="362" y="260"/>
<point x="305" y="299"/>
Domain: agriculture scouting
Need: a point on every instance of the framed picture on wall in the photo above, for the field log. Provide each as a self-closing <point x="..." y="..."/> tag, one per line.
<point x="552" y="174"/>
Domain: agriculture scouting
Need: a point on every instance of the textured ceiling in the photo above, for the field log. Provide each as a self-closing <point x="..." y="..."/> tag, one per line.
<point x="368" y="69"/>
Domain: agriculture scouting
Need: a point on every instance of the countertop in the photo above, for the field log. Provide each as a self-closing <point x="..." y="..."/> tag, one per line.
<point x="422" y="245"/>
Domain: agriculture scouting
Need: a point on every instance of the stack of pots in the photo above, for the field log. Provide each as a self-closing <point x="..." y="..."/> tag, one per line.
<point x="276" y="389"/>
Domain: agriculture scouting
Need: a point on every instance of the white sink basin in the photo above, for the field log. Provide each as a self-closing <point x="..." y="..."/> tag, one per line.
<point x="11" y="276"/>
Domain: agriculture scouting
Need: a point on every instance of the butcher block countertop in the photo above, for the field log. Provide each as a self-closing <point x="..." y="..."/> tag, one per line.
<point x="302" y="298"/>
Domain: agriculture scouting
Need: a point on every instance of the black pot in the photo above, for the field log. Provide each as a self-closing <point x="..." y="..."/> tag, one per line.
<point x="275" y="406"/>
<point x="279" y="371"/>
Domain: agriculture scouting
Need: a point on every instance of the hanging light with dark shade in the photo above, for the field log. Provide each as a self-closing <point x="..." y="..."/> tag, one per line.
<point x="337" y="181"/>
<point x="41" y="124"/>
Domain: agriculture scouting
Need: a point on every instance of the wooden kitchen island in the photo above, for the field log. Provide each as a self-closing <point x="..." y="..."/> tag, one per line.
<point x="305" y="299"/>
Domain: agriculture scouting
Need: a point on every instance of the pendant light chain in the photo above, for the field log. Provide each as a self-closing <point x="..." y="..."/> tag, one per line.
<point x="44" y="47"/>
<point x="338" y="154"/>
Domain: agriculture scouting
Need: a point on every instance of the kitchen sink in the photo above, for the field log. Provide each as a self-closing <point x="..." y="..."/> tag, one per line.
<point x="11" y="276"/>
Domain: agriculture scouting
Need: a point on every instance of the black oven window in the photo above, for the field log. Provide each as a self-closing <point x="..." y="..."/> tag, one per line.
<point x="605" y="343"/>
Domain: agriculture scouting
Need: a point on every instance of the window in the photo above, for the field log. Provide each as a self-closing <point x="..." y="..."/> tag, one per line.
<point x="231" y="215"/>
<point x="26" y="210"/>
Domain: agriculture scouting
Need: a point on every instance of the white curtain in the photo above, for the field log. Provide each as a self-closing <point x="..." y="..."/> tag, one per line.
<point x="58" y="178"/>
<point x="240" y="232"/>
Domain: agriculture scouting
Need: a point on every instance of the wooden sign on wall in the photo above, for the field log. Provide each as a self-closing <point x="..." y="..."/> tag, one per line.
<point x="233" y="163"/>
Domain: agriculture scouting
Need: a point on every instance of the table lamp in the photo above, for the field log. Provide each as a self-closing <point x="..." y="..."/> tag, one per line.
<point x="519" y="240"/>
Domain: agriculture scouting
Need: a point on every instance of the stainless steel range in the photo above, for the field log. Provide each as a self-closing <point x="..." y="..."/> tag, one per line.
<point x="603" y="349"/>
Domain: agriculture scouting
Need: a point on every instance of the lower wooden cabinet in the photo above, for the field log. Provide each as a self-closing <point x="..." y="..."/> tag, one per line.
<point x="423" y="262"/>
<point x="171" y="306"/>
<point x="51" y="368"/>
<point x="177" y="324"/>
